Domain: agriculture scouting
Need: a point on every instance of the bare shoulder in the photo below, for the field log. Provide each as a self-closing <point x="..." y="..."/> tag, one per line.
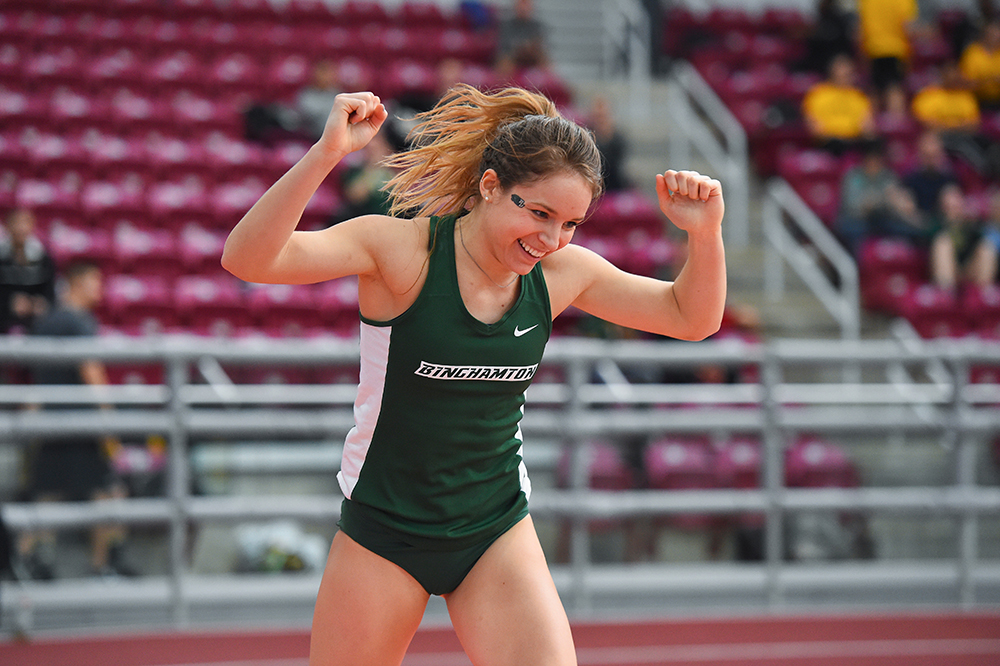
<point x="569" y="272"/>
<point x="383" y="232"/>
<point x="399" y="248"/>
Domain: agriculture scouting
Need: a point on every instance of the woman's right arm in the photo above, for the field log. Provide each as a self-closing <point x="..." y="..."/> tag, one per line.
<point x="264" y="246"/>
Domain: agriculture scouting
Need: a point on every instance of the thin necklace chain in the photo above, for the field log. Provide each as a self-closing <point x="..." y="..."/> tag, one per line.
<point x="461" y="235"/>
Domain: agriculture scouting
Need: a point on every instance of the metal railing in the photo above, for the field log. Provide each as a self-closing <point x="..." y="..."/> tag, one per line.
<point x="701" y="123"/>
<point x="572" y="410"/>
<point x="798" y="237"/>
<point x="628" y="51"/>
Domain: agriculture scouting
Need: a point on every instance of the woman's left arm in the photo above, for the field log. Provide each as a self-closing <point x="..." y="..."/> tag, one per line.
<point x="694" y="204"/>
<point x="690" y="307"/>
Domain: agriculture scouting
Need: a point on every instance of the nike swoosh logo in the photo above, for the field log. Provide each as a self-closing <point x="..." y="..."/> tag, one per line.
<point x="518" y="332"/>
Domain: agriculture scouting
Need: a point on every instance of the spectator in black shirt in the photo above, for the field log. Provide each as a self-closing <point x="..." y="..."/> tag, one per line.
<point x="932" y="173"/>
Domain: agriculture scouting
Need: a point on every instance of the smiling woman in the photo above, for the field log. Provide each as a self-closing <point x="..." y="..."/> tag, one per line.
<point x="457" y="302"/>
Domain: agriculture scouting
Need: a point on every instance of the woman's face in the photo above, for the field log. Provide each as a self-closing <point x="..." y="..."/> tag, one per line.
<point x="523" y="235"/>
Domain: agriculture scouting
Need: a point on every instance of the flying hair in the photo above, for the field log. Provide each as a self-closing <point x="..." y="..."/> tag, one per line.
<point x="517" y="133"/>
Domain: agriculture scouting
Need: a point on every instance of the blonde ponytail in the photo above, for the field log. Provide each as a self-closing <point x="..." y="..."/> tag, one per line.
<point x="518" y="133"/>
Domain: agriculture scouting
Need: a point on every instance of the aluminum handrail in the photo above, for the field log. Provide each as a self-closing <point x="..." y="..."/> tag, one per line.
<point x="783" y="206"/>
<point x="627" y="45"/>
<point x="702" y="122"/>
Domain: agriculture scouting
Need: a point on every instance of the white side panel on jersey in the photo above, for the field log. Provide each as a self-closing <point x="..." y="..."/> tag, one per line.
<point x="374" y="360"/>
<point x="522" y="470"/>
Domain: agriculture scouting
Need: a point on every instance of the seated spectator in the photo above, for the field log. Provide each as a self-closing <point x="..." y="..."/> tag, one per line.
<point x="305" y="119"/>
<point x="886" y="30"/>
<point x="611" y="142"/>
<point x="980" y="65"/>
<point x="27" y="273"/>
<point x="960" y="251"/>
<point x="931" y="174"/>
<point x="837" y="113"/>
<point x="313" y="103"/>
<point x="520" y="41"/>
<point x="363" y="180"/>
<point x="873" y="203"/>
<point x="949" y="108"/>
<point x="991" y="226"/>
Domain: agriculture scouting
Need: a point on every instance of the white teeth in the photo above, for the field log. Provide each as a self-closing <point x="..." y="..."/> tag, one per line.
<point x="535" y="253"/>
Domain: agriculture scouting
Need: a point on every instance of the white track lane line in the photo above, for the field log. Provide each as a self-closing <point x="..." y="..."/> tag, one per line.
<point x="747" y="653"/>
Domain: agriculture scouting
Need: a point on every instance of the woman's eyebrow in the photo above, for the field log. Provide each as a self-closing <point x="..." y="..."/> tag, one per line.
<point x="552" y="211"/>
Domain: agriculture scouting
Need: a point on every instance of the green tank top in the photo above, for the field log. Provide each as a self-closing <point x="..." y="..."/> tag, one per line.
<point x="436" y="448"/>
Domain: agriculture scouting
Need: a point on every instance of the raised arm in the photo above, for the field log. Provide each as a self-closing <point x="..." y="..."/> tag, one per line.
<point x="690" y="307"/>
<point x="264" y="246"/>
<point x="694" y="203"/>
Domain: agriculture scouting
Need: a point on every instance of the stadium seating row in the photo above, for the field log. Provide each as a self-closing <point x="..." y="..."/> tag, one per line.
<point x="687" y="463"/>
<point x="243" y="62"/>
<point x="218" y="305"/>
<point x="46" y="17"/>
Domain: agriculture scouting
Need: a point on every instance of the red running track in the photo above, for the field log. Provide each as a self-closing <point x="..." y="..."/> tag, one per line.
<point x="971" y="639"/>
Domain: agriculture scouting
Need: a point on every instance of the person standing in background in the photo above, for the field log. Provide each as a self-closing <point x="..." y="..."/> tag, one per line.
<point x="886" y="29"/>
<point x="27" y="273"/>
<point x="611" y="142"/>
<point x="74" y="467"/>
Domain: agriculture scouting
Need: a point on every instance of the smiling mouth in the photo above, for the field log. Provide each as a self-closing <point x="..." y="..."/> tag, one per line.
<point x="535" y="253"/>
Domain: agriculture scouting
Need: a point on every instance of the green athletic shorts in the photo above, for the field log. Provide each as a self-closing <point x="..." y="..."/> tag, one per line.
<point x="439" y="571"/>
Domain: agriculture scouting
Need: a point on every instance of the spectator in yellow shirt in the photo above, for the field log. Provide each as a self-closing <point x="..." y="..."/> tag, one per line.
<point x="839" y="115"/>
<point x="886" y="27"/>
<point x="980" y="65"/>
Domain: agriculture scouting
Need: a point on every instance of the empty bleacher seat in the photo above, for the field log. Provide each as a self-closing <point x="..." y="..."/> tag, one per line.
<point x="604" y="464"/>
<point x="889" y="269"/>
<point x="981" y="308"/>
<point x="212" y="305"/>
<point x="48" y="198"/>
<point x="67" y="242"/>
<point x="283" y="309"/>
<point x="812" y="462"/>
<point x="619" y="213"/>
<point x="337" y="302"/>
<point x="145" y="251"/>
<point x="139" y="303"/>
<point x="682" y="463"/>
<point x="175" y="201"/>
<point x="933" y="311"/>
<point x="200" y="249"/>
<point x="103" y="199"/>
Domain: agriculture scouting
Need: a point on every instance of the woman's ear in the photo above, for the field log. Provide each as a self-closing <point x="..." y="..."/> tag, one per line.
<point x="489" y="185"/>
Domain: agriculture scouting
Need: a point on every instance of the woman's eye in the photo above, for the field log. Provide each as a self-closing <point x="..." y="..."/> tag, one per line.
<point x="571" y="225"/>
<point x="541" y="214"/>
